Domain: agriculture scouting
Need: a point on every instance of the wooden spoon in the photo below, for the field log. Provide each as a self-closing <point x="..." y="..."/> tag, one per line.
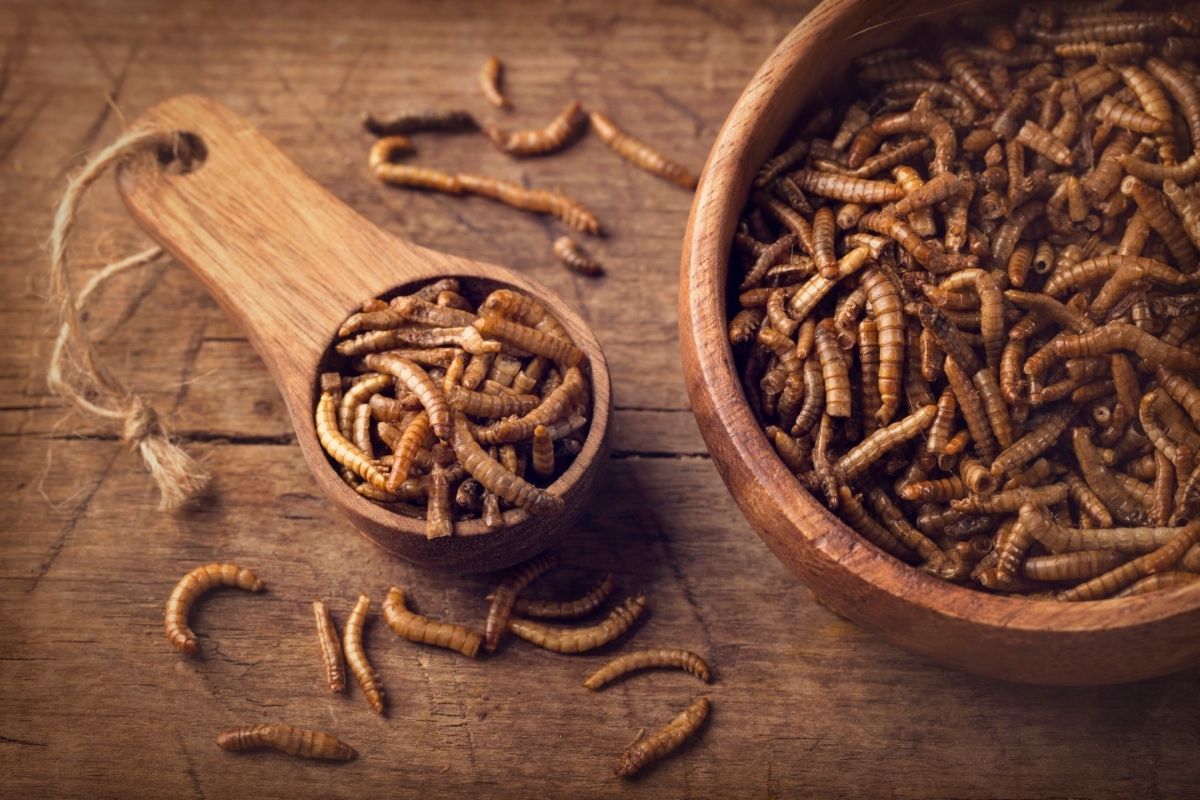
<point x="290" y="262"/>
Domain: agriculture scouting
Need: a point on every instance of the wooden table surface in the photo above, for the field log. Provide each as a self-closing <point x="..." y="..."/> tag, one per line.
<point x="94" y="703"/>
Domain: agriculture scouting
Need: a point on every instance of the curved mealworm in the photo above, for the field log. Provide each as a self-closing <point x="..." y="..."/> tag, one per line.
<point x="1040" y="439"/>
<point x="341" y="449"/>
<point x="893" y="520"/>
<point x="1158" y="582"/>
<point x="640" y="154"/>
<point x="506" y="594"/>
<point x="557" y="349"/>
<point x="672" y="658"/>
<point x="881" y="442"/>
<point x="846" y="188"/>
<point x="561" y="131"/>
<point x="664" y="741"/>
<point x="331" y="648"/>
<point x="575" y="259"/>
<point x="540" y="201"/>
<point x="191" y="586"/>
<point x="964" y="72"/>
<point x="417" y="628"/>
<point x="1011" y="500"/>
<point x="479" y="404"/>
<point x="489" y="82"/>
<point x="579" y="640"/>
<point x="1123" y="336"/>
<point x="288" y="739"/>
<point x="1159" y="560"/>
<point x="568" y="395"/>
<point x="565" y="609"/>
<point x="360" y="392"/>
<point x="356" y="656"/>
<point x="495" y="478"/>
<point x="420" y="384"/>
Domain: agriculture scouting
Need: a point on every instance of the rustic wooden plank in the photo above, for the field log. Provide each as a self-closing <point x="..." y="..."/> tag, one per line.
<point x="94" y="701"/>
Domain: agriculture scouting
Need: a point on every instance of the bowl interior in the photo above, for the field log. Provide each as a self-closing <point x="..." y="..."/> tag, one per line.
<point x="1011" y="638"/>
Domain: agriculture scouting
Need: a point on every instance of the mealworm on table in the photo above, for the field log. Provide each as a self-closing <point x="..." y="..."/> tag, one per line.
<point x="565" y="609"/>
<point x="640" y="154"/>
<point x="540" y="201"/>
<point x="423" y="630"/>
<point x="665" y="740"/>
<point x="287" y="739"/>
<point x="331" y="648"/>
<point x="575" y="259"/>
<point x="672" y="658"/>
<point x="489" y="82"/>
<point x="414" y="121"/>
<point x="505" y="596"/>
<point x="356" y="656"/>
<point x="554" y="137"/>
<point x="191" y="586"/>
<point x="579" y="640"/>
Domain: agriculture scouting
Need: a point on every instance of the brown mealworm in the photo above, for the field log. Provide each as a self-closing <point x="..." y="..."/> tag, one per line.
<point x="565" y="609"/>
<point x="419" y="383"/>
<point x="419" y="120"/>
<point x="341" y="449"/>
<point x="557" y="349"/>
<point x="640" y="154"/>
<point x="561" y="131"/>
<point x="568" y="211"/>
<point x="542" y="451"/>
<point x="331" y="648"/>
<point x="575" y="259"/>
<point x="489" y="82"/>
<point x="191" y="586"/>
<point x="356" y="656"/>
<point x="505" y="596"/>
<point x="423" y="630"/>
<point x="871" y="449"/>
<point x="579" y="640"/>
<point x="664" y="741"/>
<point x="495" y="478"/>
<point x="671" y="658"/>
<point x="287" y="739"/>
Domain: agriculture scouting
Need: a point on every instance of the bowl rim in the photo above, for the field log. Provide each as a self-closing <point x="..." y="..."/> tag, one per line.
<point x="735" y="439"/>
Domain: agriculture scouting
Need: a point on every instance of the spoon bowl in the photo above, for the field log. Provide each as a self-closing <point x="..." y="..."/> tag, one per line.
<point x="289" y="262"/>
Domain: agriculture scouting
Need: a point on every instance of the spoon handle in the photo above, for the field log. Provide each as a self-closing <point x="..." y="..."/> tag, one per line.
<point x="281" y="254"/>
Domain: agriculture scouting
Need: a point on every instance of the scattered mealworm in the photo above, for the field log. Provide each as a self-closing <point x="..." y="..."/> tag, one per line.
<point x="505" y="596"/>
<point x="575" y="259"/>
<point x="540" y="201"/>
<point x="288" y="739"/>
<point x="566" y="609"/>
<point x="561" y="131"/>
<point x="489" y="83"/>
<point x="356" y="656"/>
<point x="417" y="628"/>
<point x="331" y="648"/>
<point x="579" y="640"/>
<point x="420" y="120"/>
<point x="191" y="586"/>
<point x="646" y="659"/>
<point x="646" y="749"/>
<point x="640" y="154"/>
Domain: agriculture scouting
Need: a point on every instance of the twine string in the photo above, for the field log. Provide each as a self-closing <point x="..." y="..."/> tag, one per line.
<point x="75" y="370"/>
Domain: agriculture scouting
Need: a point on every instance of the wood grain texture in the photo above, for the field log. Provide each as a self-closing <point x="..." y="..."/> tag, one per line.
<point x="1004" y="637"/>
<point x="93" y="702"/>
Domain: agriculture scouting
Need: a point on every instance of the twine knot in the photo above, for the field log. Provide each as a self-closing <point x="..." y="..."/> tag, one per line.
<point x="140" y="423"/>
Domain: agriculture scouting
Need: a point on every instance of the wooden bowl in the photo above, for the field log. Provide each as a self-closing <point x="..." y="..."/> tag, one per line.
<point x="1015" y="639"/>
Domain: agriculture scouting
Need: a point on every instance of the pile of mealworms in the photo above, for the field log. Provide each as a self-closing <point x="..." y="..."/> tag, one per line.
<point x="967" y="300"/>
<point x="479" y="408"/>
<point x="565" y="129"/>
<point x="508" y="612"/>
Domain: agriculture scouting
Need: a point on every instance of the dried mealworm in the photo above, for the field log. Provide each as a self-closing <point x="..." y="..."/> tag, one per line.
<point x="575" y="259"/>
<point x="833" y="370"/>
<point x="893" y="520"/>
<point x="1071" y="566"/>
<point x="1123" y="336"/>
<point x="479" y="404"/>
<point x="331" y="648"/>
<point x="288" y="739"/>
<point x="356" y="656"/>
<point x="846" y="188"/>
<point x="882" y="441"/>
<point x="964" y="72"/>
<point x="542" y="452"/>
<point x="1158" y="582"/>
<point x="566" y="609"/>
<point x="646" y="749"/>
<point x="823" y="243"/>
<point x="640" y="154"/>
<point x="362" y="430"/>
<point x="561" y="131"/>
<point x="1037" y="441"/>
<point x="888" y="314"/>
<point x="558" y="350"/>
<point x="416" y="121"/>
<point x="191" y="586"/>
<point x="506" y="594"/>
<point x="419" y="383"/>
<point x="568" y="211"/>
<point x="1159" y="560"/>
<point x="439" y="518"/>
<point x="417" y="628"/>
<point x="670" y="658"/>
<point x="489" y="82"/>
<point x="567" y="396"/>
<point x="341" y="449"/>
<point x="495" y="478"/>
<point x="1101" y="480"/>
<point x="1011" y="500"/>
<point x="972" y="408"/>
<point x="579" y="640"/>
